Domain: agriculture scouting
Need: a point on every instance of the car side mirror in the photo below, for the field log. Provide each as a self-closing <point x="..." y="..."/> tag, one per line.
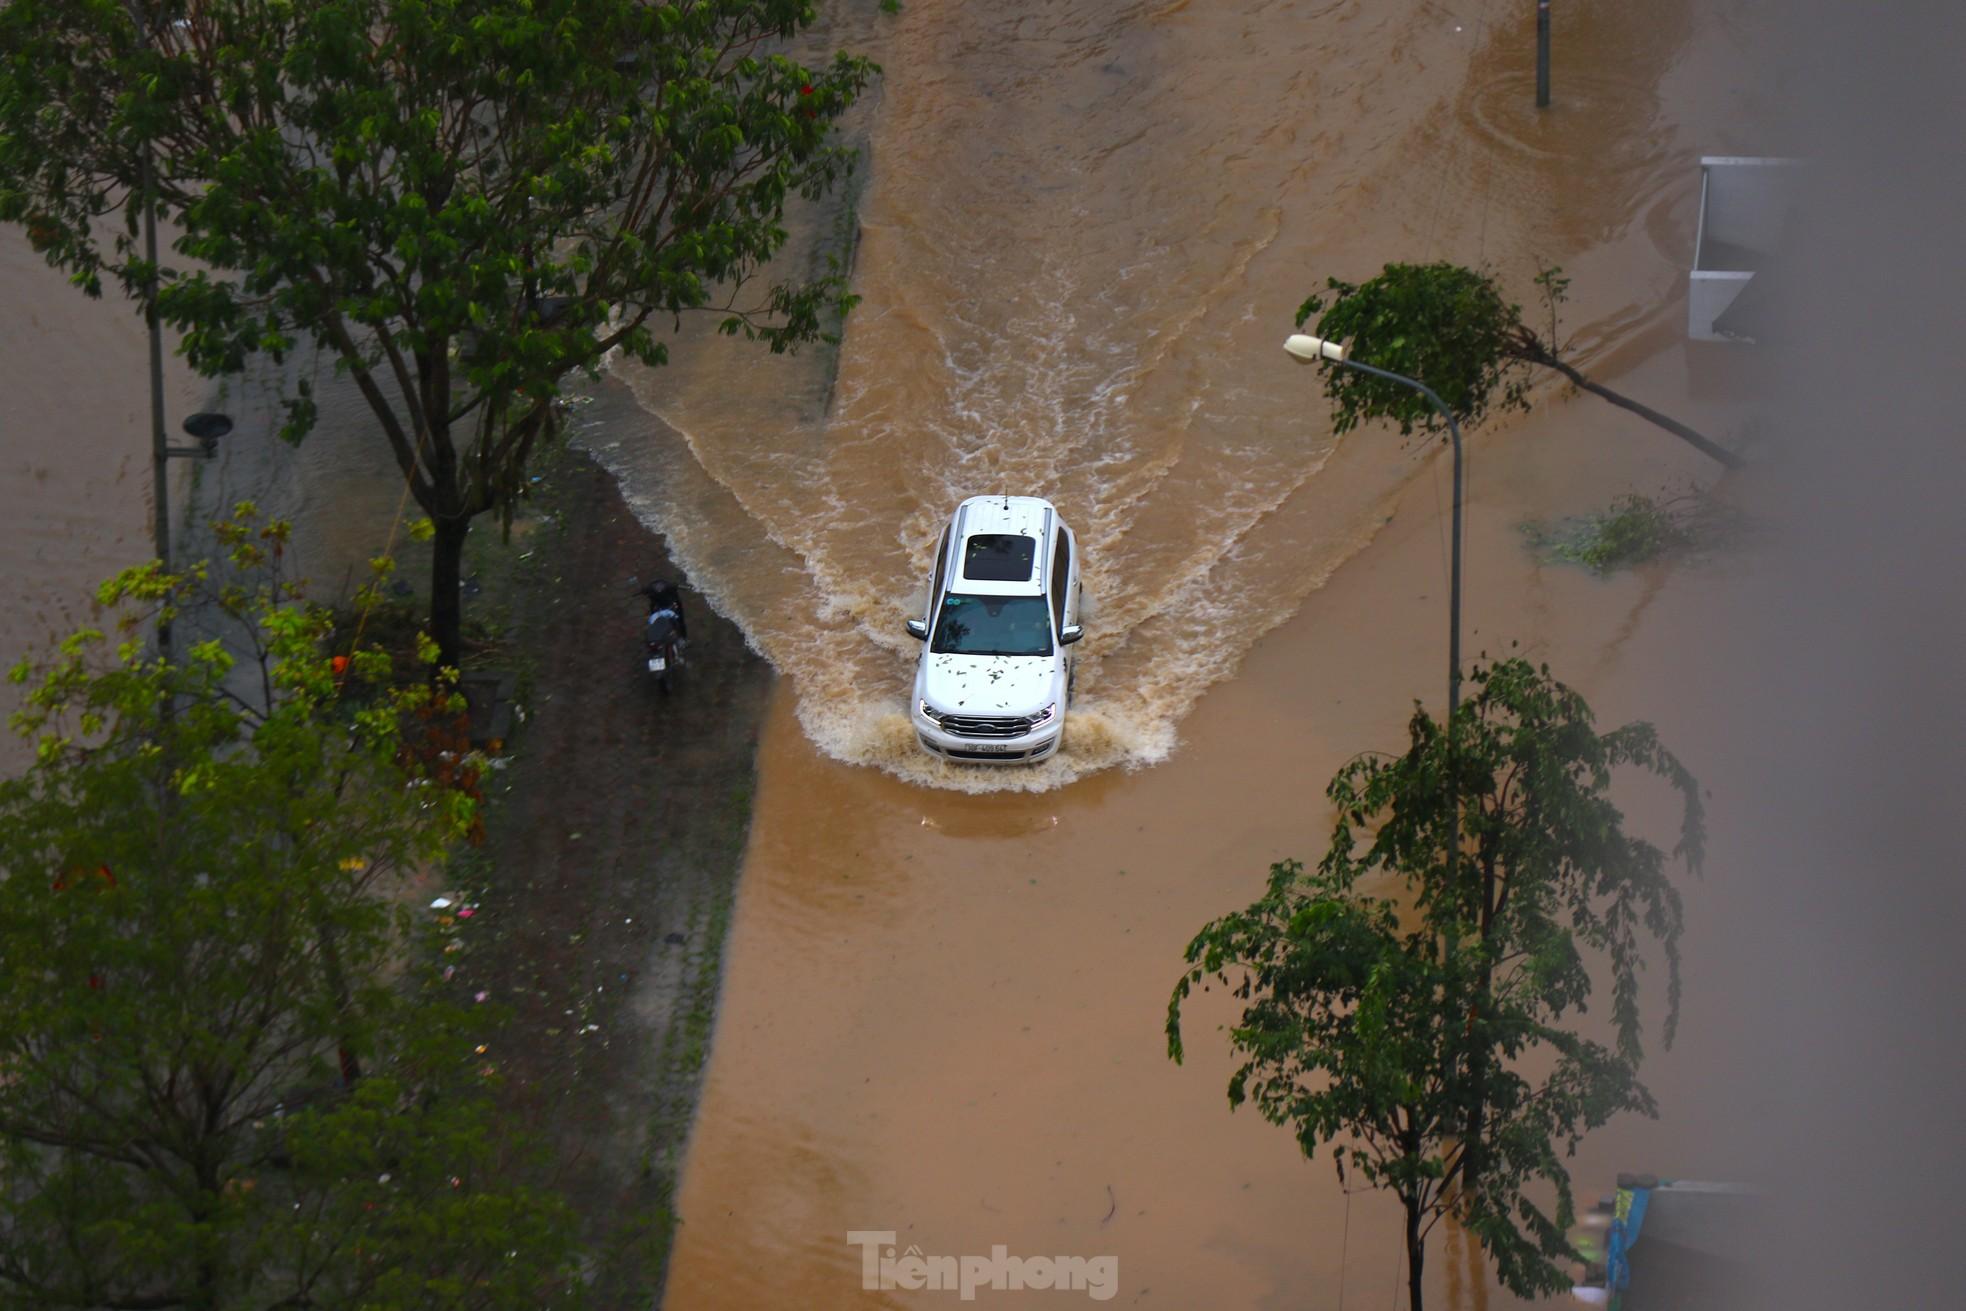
<point x="1069" y="634"/>
<point x="918" y="629"/>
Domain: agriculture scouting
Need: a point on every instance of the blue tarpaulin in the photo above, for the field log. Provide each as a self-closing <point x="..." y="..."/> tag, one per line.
<point x="1626" y="1221"/>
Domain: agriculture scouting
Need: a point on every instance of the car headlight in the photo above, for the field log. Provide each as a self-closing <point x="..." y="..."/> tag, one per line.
<point x="930" y="713"/>
<point x="1044" y="716"/>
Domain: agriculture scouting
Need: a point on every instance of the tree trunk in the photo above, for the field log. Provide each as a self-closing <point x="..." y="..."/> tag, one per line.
<point x="1416" y="1253"/>
<point x="347" y="1061"/>
<point x="1539" y="354"/>
<point x="446" y="588"/>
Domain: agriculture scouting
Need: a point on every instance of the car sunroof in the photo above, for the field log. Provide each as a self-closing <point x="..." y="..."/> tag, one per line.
<point x="999" y="558"/>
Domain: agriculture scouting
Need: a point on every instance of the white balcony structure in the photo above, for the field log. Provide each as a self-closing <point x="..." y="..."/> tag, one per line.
<point x="1746" y="208"/>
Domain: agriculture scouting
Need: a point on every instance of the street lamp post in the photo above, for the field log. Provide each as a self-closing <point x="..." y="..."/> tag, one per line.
<point x="160" y="446"/>
<point x="1310" y="350"/>
<point x="204" y="428"/>
<point x="160" y="442"/>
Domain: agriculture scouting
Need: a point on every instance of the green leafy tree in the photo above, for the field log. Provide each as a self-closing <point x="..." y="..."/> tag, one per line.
<point x="1416" y="1020"/>
<point x="460" y="201"/>
<point x="201" y="945"/>
<point x="1452" y="329"/>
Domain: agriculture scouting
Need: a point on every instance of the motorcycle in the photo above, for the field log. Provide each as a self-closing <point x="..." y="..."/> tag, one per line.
<point x="663" y="636"/>
<point x="664" y="647"/>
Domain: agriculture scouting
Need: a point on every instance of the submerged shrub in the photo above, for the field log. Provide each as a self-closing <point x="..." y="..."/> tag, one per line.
<point x="1635" y="529"/>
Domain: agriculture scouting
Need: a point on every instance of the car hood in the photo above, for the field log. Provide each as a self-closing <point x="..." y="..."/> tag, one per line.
<point x="989" y="685"/>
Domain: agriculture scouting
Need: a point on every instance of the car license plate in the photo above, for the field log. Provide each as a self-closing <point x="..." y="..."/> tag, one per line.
<point x="993" y="748"/>
<point x="657" y="664"/>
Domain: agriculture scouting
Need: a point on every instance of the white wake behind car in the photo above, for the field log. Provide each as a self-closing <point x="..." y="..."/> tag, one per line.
<point x="995" y="675"/>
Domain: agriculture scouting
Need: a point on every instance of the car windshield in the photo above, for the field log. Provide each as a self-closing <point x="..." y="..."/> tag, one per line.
<point x="993" y="625"/>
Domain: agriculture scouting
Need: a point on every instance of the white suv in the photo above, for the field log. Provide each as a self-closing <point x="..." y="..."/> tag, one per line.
<point x="994" y="677"/>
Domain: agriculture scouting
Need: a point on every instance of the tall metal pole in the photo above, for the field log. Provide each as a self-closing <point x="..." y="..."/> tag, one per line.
<point x="159" y="440"/>
<point x="1453" y="590"/>
<point x="1542" y="54"/>
<point x="160" y="453"/>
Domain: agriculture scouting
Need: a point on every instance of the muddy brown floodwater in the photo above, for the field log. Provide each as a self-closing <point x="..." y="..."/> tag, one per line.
<point x="943" y="1013"/>
<point x="1086" y="230"/>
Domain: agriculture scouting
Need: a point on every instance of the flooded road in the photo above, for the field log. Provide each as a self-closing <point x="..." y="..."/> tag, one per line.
<point x="1084" y="234"/>
<point x="943" y="1013"/>
<point x="1085" y="228"/>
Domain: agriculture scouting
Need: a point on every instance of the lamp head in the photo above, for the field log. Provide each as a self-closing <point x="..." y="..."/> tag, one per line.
<point x="206" y="428"/>
<point x="1306" y="349"/>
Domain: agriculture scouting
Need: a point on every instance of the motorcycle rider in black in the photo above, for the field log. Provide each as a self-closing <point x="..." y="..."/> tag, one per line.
<point x="664" y="596"/>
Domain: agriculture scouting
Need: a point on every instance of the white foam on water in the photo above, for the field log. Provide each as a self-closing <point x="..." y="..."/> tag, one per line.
<point x="882" y="736"/>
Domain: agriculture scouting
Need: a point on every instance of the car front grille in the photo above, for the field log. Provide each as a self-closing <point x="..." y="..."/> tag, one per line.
<point x="986" y="725"/>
